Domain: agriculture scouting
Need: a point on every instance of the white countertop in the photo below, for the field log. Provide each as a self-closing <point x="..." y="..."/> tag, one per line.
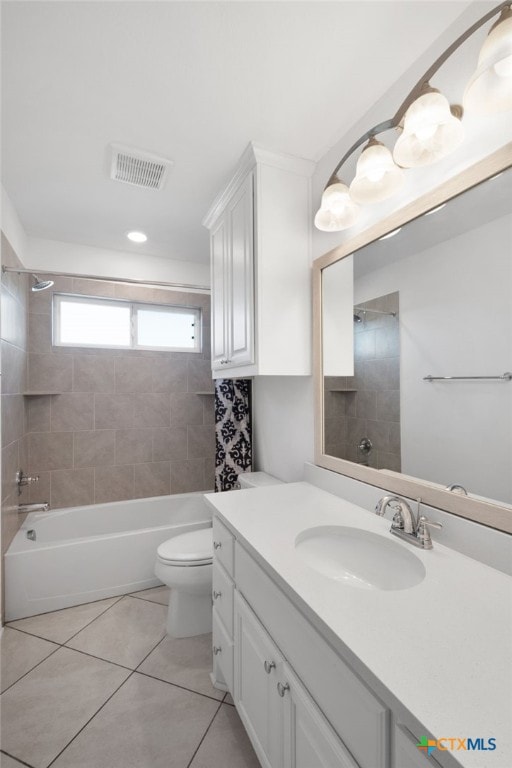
<point x="443" y="648"/>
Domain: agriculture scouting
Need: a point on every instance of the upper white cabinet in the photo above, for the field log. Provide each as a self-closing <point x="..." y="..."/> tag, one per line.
<point x="260" y="266"/>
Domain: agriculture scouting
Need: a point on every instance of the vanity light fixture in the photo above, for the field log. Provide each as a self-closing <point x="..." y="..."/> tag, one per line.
<point x="377" y="175"/>
<point x="137" y="237"/>
<point x="430" y="127"/>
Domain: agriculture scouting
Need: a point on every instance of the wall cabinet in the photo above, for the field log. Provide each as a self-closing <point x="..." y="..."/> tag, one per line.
<point x="260" y="268"/>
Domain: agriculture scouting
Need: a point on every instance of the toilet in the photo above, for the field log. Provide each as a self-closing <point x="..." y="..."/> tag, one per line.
<point x="184" y="564"/>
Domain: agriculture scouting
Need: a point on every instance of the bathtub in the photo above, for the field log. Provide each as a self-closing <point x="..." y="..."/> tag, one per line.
<point x="88" y="553"/>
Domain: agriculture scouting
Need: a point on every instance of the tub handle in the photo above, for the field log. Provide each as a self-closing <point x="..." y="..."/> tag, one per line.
<point x="217" y="544"/>
<point x="216" y="595"/>
<point x="216" y="649"/>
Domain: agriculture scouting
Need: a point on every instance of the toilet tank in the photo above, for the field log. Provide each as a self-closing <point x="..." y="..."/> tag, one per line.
<point x="255" y="479"/>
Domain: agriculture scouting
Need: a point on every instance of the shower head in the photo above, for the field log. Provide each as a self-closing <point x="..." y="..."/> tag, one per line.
<point x="41" y="285"/>
<point x="357" y="318"/>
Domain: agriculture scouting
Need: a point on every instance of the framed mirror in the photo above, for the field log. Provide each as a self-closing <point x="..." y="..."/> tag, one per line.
<point x="413" y="349"/>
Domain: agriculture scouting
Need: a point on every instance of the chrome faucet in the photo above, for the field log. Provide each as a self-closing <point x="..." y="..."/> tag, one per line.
<point x="456" y="488"/>
<point x="42" y="506"/>
<point x="23" y="480"/>
<point x="406" y="525"/>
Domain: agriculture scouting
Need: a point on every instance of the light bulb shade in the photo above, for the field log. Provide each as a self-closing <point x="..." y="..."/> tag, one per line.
<point x="430" y="132"/>
<point x="490" y="88"/>
<point x="377" y="176"/>
<point x="337" y="211"/>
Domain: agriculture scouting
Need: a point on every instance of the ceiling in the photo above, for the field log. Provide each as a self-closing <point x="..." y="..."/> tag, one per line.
<point x="193" y="82"/>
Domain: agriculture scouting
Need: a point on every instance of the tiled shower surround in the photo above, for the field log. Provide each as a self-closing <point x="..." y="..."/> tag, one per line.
<point x="129" y="423"/>
<point x="368" y="403"/>
<point x="14" y="324"/>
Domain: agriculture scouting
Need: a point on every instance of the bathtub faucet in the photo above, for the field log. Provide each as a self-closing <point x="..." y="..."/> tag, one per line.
<point x="22" y="480"/>
<point x="42" y="506"/>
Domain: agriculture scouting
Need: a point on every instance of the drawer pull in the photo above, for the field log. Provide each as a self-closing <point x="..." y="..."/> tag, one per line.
<point x="217" y="649"/>
<point x="216" y="595"/>
<point x="282" y="688"/>
<point x="269" y="666"/>
<point x="217" y="544"/>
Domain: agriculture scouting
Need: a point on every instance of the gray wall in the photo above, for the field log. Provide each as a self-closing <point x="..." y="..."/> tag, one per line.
<point x="128" y="423"/>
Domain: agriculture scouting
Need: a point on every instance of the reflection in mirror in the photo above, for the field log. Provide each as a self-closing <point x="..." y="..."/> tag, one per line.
<point x="434" y="300"/>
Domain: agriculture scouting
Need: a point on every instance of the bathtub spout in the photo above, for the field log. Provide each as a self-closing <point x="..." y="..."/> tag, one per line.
<point x="42" y="506"/>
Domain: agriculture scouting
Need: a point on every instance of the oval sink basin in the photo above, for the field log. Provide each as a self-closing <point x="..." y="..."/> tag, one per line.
<point x="359" y="558"/>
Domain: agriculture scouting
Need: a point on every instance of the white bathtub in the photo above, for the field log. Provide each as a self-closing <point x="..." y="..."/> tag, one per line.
<point x="83" y="554"/>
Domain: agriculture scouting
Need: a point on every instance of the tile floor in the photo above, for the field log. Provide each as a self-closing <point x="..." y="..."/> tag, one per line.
<point x="102" y="686"/>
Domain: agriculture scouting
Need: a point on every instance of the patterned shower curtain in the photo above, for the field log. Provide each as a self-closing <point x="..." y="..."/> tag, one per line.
<point x="233" y="451"/>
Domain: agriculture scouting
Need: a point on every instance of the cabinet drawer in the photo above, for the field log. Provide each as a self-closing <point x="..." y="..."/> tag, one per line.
<point x="223" y="545"/>
<point x="222" y="595"/>
<point x="222" y="647"/>
<point x="357" y="716"/>
<point x="407" y="754"/>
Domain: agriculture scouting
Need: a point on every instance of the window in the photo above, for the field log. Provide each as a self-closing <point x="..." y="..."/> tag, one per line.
<point x="84" y="321"/>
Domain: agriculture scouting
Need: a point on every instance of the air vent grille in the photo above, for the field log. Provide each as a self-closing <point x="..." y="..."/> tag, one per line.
<point x="138" y="168"/>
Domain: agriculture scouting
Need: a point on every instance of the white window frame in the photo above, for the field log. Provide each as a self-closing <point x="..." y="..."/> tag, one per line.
<point x="134" y="306"/>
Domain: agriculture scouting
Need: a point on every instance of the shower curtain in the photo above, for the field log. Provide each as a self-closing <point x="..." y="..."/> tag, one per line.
<point x="233" y="447"/>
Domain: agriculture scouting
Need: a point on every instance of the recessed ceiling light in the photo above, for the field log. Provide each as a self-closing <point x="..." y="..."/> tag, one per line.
<point x="137" y="237"/>
<point x="435" y="209"/>
<point x="390" y="234"/>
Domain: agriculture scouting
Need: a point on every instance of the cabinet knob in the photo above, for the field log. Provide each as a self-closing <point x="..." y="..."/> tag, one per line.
<point x="217" y="544"/>
<point x="217" y="649"/>
<point x="282" y="688"/>
<point x="216" y="595"/>
<point x="269" y="666"/>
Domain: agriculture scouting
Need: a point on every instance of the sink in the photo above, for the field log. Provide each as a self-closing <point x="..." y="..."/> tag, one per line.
<point x="359" y="558"/>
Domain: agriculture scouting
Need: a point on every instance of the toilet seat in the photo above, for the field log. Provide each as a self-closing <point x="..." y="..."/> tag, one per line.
<point x="188" y="549"/>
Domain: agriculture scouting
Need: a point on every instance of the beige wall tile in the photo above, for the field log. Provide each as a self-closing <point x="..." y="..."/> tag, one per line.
<point x="10" y="465"/>
<point x="38" y="414"/>
<point x="133" y="446"/>
<point x="93" y="287"/>
<point x="169" y="443"/>
<point x="201" y="442"/>
<point x="186" y="409"/>
<point x="50" y="373"/>
<point x="72" y="412"/>
<point x="72" y="487"/>
<point x="93" y="373"/>
<point x="151" y="410"/>
<point x="209" y="474"/>
<point x="39" y="334"/>
<point x="14" y="369"/>
<point x="113" y="484"/>
<point x="113" y="411"/>
<point x="13" y="319"/>
<point x="388" y="405"/>
<point x="187" y="476"/>
<point x="200" y="376"/>
<point x="40" y="491"/>
<point x="170" y="373"/>
<point x="208" y="410"/>
<point x="50" y="450"/>
<point x="13" y="418"/>
<point x="95" y="448"/>
<point x="131" y="376"/>
<point x="152" y="479"/>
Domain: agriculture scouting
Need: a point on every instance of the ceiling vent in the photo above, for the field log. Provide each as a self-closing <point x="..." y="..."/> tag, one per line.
<point x="142" y="169"/>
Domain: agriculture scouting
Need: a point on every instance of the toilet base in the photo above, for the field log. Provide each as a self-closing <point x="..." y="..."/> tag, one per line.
<point x="189" y="614"/>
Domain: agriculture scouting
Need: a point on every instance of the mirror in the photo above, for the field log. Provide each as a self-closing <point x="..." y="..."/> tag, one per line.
<point x="433" y="300"/>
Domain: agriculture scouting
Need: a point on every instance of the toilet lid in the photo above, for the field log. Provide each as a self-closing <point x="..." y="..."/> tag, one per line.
<point x="193" y="548"/>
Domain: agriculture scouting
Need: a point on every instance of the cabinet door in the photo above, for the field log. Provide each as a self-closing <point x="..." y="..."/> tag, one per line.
<point x="309" y="740"/>
<point x="257" y="663"/>
<point x="241" y="276"/>
<point x="407" y="754"/>
<point x="219" y="257"/>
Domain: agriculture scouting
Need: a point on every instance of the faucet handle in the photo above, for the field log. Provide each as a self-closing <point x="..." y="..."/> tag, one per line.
<point x="423" y="533"/>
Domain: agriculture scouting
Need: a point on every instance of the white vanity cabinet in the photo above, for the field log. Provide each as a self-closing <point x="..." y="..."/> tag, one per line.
<point x="260" y="268"/>
<point x="285" y="726"/>
<point x="222" y="600"/>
